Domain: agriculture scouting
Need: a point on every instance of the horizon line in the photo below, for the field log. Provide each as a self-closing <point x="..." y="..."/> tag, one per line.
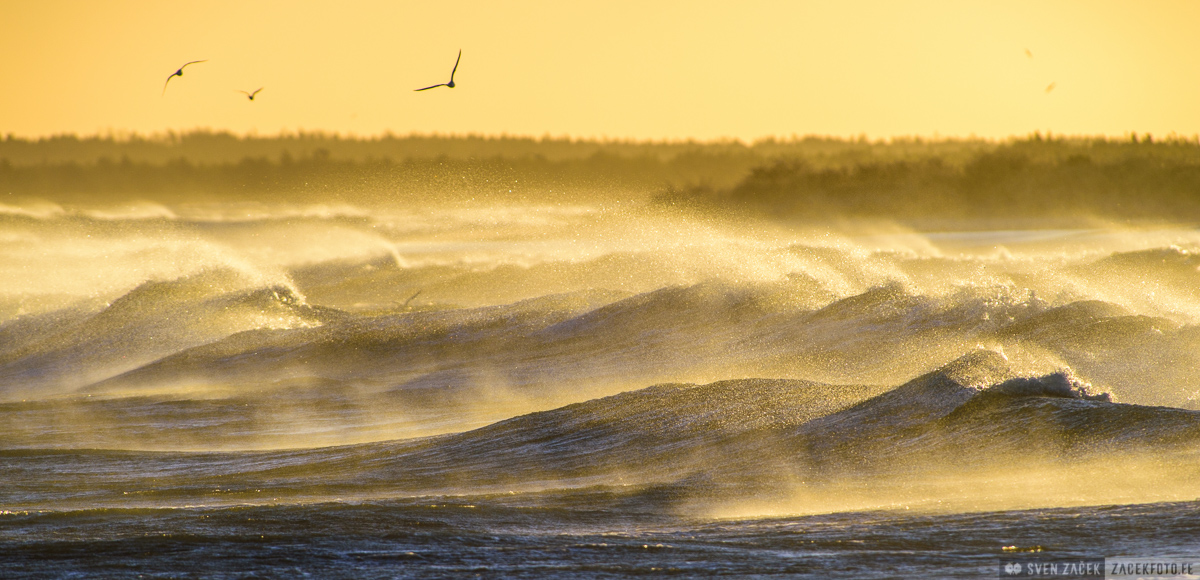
<point x="169" y="135"/>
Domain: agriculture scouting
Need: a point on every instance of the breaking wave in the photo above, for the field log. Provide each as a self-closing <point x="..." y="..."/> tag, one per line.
<point x="589" y="356"/>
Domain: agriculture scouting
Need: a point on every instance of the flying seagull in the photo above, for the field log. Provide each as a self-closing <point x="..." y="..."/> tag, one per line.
<point x="251" y="95"/>
<point x="451" y="83"/>
<point x="178" y="73"/>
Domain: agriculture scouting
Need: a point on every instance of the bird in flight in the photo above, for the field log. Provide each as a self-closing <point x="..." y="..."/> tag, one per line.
<point x="451" y="83"/>
<point x="251" y="95"/>
<point x="178" y="73"/>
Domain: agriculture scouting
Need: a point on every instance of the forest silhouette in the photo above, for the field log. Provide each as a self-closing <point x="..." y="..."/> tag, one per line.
<point x="803" y="179"/>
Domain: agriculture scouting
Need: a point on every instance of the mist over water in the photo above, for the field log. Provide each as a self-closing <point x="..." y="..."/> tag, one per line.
<point x="546" y="364"/>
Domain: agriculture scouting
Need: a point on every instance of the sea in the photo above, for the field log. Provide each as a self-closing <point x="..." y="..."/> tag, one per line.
<point x="280" y="390"/>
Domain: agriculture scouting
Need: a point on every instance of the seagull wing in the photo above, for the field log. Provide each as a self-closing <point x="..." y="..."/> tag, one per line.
<point x="256" y="92"/>
<point x="456" y="65"/>
<point x="179" y="73"/>
<point x="427" y="88"/>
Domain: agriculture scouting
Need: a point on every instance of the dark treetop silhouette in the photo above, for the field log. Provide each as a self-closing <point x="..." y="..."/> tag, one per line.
<point x="251" y="95"/>
<point x="178" y="73"/>
<point x="451" y="83"/>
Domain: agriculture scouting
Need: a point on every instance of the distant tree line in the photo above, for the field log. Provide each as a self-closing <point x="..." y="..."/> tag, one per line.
<point x="800" y="178"/>
<point x="322" y="177"/>
<point x="1035" y="178"/>
<point x="204" y="147"/>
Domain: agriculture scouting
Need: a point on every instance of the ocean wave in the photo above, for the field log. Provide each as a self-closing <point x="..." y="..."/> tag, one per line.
<point x="209" y="327"/>
<point x="685" y="443"/>
<point x="971" y="414"/>
<point x="158" y="318"/>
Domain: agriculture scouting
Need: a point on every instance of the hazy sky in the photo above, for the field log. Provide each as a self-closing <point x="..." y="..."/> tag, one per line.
<point x="641" y="69"/>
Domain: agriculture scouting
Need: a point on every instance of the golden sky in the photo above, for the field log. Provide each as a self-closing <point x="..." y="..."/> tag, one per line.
<point x="616" y="69"/>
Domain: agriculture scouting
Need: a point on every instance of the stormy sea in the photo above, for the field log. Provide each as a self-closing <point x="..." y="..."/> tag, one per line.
<point x="600" y="390"/>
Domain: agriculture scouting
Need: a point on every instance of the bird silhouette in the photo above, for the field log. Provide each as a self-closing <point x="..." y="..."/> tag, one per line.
<point x="178" y="73"/>
<point x="451" y="83"/>
<point x="251" y="95"/>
